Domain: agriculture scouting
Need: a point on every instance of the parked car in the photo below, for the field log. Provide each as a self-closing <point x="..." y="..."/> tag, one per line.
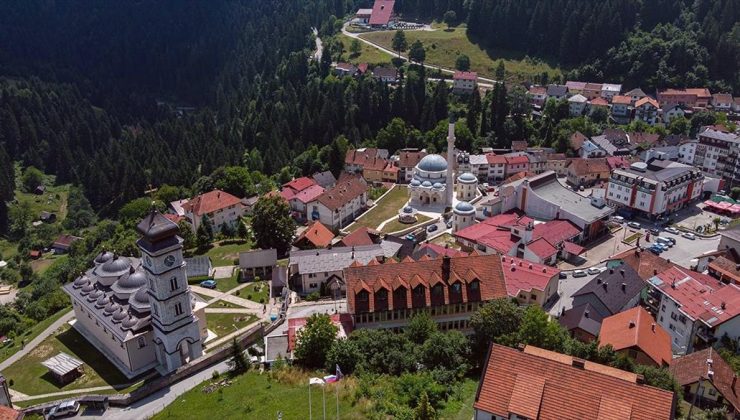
<point x="672" y="230"/>
<point x="633" y="225"/>
<point x="432" y="228"/>
<point x="593" y="270"/>
<point x="208" y="284"/>
<point x="665" y="241"/>
<point x="618" y="219"/>
<point x="689" y="235"/>
<point x="579" y="273"/>
<point x="655" y="251"/>
<point x="67" y="408"/>
<point x="563" y="275"/>
<point x="660" y="246"/>
<point x="654" y="231"/>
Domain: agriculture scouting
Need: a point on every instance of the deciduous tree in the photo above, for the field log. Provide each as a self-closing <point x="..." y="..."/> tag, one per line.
<point x="272" y="225"/>
<point x="314" y="341"/>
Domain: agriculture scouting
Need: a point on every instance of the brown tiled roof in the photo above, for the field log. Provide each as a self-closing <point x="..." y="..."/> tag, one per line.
<point x="362" y="236"/>
<point x="408" y="159"/>
<point x="635" y="328"/>
<point x="541" y="384"/>
<point x="556" y="156"/>
<point x="645" y="263"/>
<point x="345" y="191"/>
<point x="581" y="166"/>
<point x="726" y="268"/>
<point x="621" y="100"/>
<point x="689" y="368"/>
<point x="210" y="202"/>
<point x="360" y="157"/>
<point x="646" y="100"/>
<point x="576" y="140"/>
<point x="428" y="272"/>
<point x="317" y="234"/>
<point x="8" y="413"/>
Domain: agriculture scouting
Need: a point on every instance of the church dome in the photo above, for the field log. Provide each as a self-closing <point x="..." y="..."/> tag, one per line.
<point x="89" y="287"/>
<point x="426" y="184"/>
<point x="104" y="257"/>
<point x="467" y="178"/>
<point x="432" y="163"/>
<point x="115" y="267"/>
<point x="133" y="281"/>
<point x="119" y="315"/>
<point x="81" y="282"/>
<point x="464" y="207"/>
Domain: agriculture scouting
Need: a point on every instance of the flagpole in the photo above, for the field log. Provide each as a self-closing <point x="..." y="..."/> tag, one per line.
<point x="337" y="389"/>
<point x="324" y="392"/>
<point x="310" y="413"/>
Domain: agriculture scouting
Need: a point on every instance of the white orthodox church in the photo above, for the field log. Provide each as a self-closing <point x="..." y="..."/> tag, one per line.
<point x="139" y="313"/>
<point x="433" y="186"/>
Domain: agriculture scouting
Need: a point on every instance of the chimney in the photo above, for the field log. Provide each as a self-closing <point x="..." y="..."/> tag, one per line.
<point x="640" y="380"/>
<point x="655" y="272"/>
<point x="585" y="314"/>
<point x="521" y="346"/>
<point x="605" y="286"/>
<point x="530" y="266"/>
<point x="621" y="272"/>
<point x="579" y="363"/>
<point x="723" y="306"/>
<point x="653" y="326"/>
<point x="598" y="280"/>
<point x="624" y="287"/>
<point x="611" y="271"/>
<point x="632" y="324"/>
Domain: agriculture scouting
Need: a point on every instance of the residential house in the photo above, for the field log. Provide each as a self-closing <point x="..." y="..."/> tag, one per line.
<point x="339" y="206"/>
<point x="592" y="91"/>
<point x="654" y="189"/>
<point x="258" y="263"/>
<point x="598" y="103"/>
<point x="374" y="170"/>
<point x="175" y="207"/>
<point x="280" y="343"/>
<point x="557" y="92"/>
<point x="299" y="201"/>
<point x="609" y="91"/>
<point x="722" y="102"/>
<point x="575" y="88"/>
<point x="736" y="105"/>
<point x="496" y="167"/>
<point x="63" y="243"/>
<point x="219" y="207"/>
<point x="290" y="189"/>
<point x="670" y="112"/>
<point x="361" y="236"/>
<point x="478" y="167"/>
<point x="635" y="95"/>
<point x="577" y="105"/>
<point x="449" y="289"/>
<point x="694" y="308"/>
<point x="687" y="151"/>
<point x="612" y="291"/>
<point x="708" y="370"/>
<point x="621" y="109"/>
<point x="391" y="173"/>
<point x="519" y="146"/>
<point x="345" y="69"/>
<point x="529" y="283"/>
<point x="323" y="269"/>
<point x="729" y="239"/>
<point x="691" y="98"/>
<point x="615" y="142"/>
<point x="724" y="265"/>
<point x="576" y="141"/>
<point x="464" y="82"/>
<point x="314" y="236"/>
<point x="582" y="322"/>
<point x="386" y="74"/>
<point x="635" y="333"/>
<point x="325" y="179"/>
<point x="537" y="162"/>
<point x="537" y="95"/>
<point x="382" y="14"/>
<point x="587" y="172"/>
<point x="645" y="263"/>
<point x="533" y="383"/>
<point x="356" y="159"/>
<point x="363" y="15"/>
<point x="516" y="164"/>
<point x="646" y="110"/>
<point x="431" y="251"/>
<point x="407" y="161"/>
<point x="249" y="204"/>
<point x="590" y="149"/>
<point x="556" y="162"/>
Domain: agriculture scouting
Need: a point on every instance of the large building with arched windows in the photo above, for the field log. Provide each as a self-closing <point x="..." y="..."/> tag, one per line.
<point x="429" y="183"/>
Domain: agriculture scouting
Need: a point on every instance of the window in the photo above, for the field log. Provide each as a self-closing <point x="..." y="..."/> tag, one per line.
<point x="662" y="308"/>
<point x="674" y="316"/>
<point x="682" y="318"/>
<point x="142" y="342"/>
<point x="173" y="284"/>
<point x="178" y="309"/>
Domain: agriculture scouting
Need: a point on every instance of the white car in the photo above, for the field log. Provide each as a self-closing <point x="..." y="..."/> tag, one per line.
<point x="633" y="225"/>
<point x="593" y="270"/>
<point x="689" y="235"/>
<point x="672" y="230"/>
<point x="579" y="273"/>
<point x="67" y="408"/>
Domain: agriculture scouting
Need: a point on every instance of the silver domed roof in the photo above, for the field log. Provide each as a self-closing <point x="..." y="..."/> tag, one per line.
<point x="432" y="163"/>
<point x="133" y="281"/>
<point x="102" y="301"/>
<point x="104" y="257"/>
<point x="89" y="287"/>
<point x="111" y="307"/>
<point x="467" y="177"/>
<point x="119" y="315"/>
<point x="438" y="186"/>
<point x="95" y="294"/>
<point x="426" y="184"/>
<point x="115" y="267"/>
<point x="81" y="281"/>
<point x="464" y="207"/>
<point x="130" y="322"/>
<point x="408" y="210"/>
<point x="415" y="182"/>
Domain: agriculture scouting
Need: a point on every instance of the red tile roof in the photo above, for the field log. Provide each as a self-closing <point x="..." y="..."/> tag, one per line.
<point x="572" y="248"/>
<point x="299" y="184"/>
<point x="645" y="263"/>
<point x="542" y="248"/>
<point x="689" y="368"/>
<point x="537" y="90"/>
<point x="541" y="384"/>
<point x="486" y="269"/>
<point x="555" y="231"/>
<point x="439" y="250"/>
<point x="67" y="240"/>
<point x="407" y="159"/>
<point x="211" y="202"/>
<point x="494" y="159"/>
<point x="309" y="194"/>
<point x="345" y="191"/>
<point x="362" y="236"/>
<point x="317" y="234"/>
<point x="465" y="75"/>
<point x="8" y="413"/>
<point x="295" y="324"/>
<point x="524" y="276"/>
<point x="516" y="160"/>
<point x="382" y="11"/>
<point x="621" y="100"/>
<point x="699" y="296"/>
<point x="576" y="140"/>
<point x="636" y="329"/>
<point x="599" y="102"/>
<point x="581" y="166"/>
<point x="173" y="217"/>
<point x="646" y="100"/>
<point x="615" y="162"/>
<point x="360" y="157"/>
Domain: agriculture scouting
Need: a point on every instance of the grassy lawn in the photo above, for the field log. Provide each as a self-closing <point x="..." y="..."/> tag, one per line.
<point x="395" y="225"/>
<point x="633" y="238"/>
<point x="223" y="255"/>
<point x="7" y="351"/>
<point x="460" y="404"/>
<point x="446" y="239"/>
<point x="7" y="249"/>
<point x="54" y="200"/>
<point x="443" y="47"/>
<point x="369" y="54"/>
<point x="384" y="209"/>
<point x="32" y="378"/>
<point x="43" y="264"/>
<point x="254" y="396"/>
<point x="223" y="324"/>
<point x="256" y="292"/>
<point x="224" y="304"/>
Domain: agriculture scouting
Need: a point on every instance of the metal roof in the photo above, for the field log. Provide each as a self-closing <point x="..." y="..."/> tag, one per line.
<point x="62" y="364"/>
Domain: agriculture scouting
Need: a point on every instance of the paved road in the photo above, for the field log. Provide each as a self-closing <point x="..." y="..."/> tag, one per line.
<point x="319" y="46"/>
<point x="36" y="341"/>
<point x="405" y="58"/>
<point x="227" y="296"/>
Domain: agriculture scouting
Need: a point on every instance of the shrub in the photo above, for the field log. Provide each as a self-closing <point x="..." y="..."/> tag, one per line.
<point x="262" y="300"/>
<point x="216" y="374"/>
<point x="313" y="297"/>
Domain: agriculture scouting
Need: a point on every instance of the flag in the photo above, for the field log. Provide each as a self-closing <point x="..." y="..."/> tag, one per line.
<point x="315" y="381"/>
<point x="330" y="379"/>
<point x="340" y="375"/>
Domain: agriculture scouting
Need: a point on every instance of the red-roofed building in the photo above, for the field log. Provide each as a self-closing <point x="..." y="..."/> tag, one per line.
<point x="720" y="388"/>
<point x="646" y="110"/>
<point x="356" y="159"/>
<point x="282" y="342"/>
<point x="382" y="13"/>
<point x="299" y="184"/>
<point x="528" y="282"/>
<point x="496" y="166"/>
<point x="315" y="236"/>
<point x="692" y="98"/>
<point x="433" y="251"/>
<point x="515" y="164"/>
<point x="463" y="82"/>
<point x="221" y="208"/>
<point x="635" y="333"/>
<point x="407" y="160"/>
<point x="533" y="383"/>
<point x="451" y="289"/>
<point x="362" y="236"/>
<point x="695" y="308"/>
<point x="299" y="201"/>
<point x="339" y="206"/>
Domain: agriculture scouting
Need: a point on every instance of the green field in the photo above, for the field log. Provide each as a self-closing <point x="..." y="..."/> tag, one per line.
<point x="384" y="209"/>
<point x="443" y="47"/>
<point x="30" y="334"/>
<point x="446" y="239"/>
<point x="223" y="324"/>
<point x="256" y="292"/>
<point x="224" y="255"/>
<point x="396" y="226"/>
<point x="369" y="54"/>
<point x="32" y="378"/>
<point x="54" y="200"/>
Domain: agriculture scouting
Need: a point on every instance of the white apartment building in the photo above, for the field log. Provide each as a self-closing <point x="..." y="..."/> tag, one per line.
<point x="339" y="206"/>
<point x="717" y="153"/>
<point x="220" y="207"/>
<point x="656" y="188"/>
<point x="687" y="152"/>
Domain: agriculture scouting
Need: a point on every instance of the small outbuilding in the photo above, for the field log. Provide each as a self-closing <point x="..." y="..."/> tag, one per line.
<point x="198" y="266"/>
<point x="64" y="368"/>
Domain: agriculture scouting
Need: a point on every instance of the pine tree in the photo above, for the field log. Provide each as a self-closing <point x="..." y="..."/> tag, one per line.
<point x="424" y="410"/>
<point x="238" y="362"/>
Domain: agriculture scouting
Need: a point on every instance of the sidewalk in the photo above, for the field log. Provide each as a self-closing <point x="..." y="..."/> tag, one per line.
<point x="227" y="296"/>
<point x="62" y="393"/>
<point x="37" y="340"/>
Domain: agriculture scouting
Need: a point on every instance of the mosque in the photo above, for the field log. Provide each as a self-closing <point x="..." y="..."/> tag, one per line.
<point x="433" y="186"/>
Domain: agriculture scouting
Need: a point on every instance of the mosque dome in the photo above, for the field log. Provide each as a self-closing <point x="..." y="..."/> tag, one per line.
<point x="432" y="163"/>
<point x="467" y="178"/>
<point x="438" y="186"/>
<point x="81" y="282"/>
<point x="464" y="207"/>
<point x="408" y="210"/>
<point x="415" y="183"/>
<point x="426" y="184"/>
